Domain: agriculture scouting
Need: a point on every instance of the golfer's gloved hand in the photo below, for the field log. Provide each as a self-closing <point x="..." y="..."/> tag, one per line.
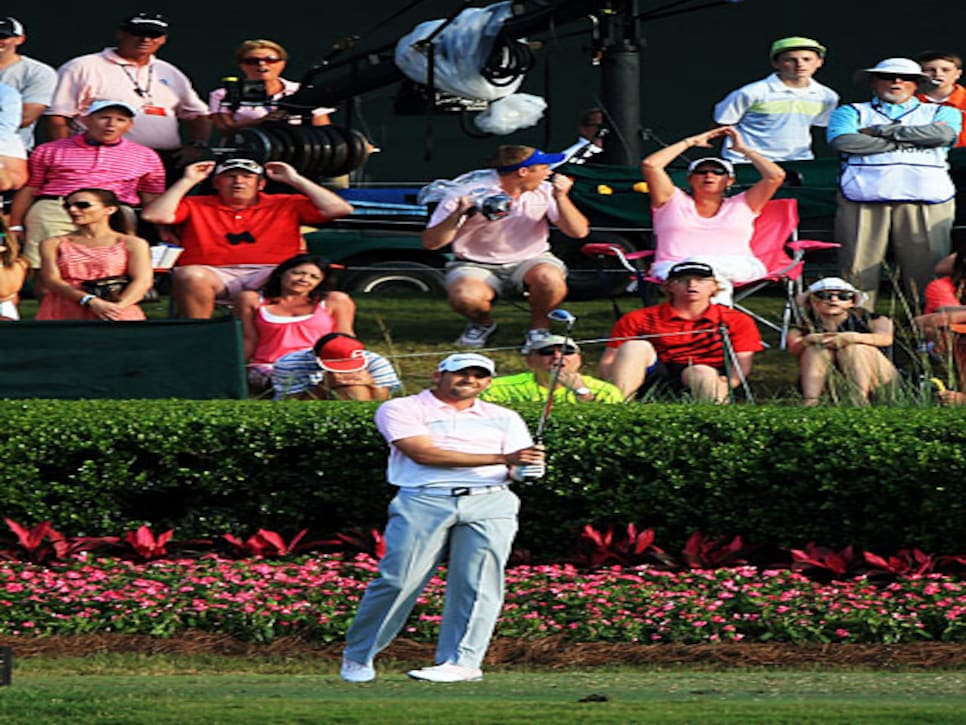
<point x="528" y="472"/>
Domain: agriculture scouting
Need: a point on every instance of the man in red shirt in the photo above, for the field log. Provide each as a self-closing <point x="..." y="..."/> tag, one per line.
<point x="945" y="69"/>
<point x="684" y="345"/>
<point x="234" y="238"/>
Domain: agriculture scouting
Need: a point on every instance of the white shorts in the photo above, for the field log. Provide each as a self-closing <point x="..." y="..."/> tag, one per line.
<point x="502" y="278"/>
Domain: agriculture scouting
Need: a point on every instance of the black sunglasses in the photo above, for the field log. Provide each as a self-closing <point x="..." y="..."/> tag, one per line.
<point x="548" y="351"/>
<point x="895" y="77"/>
<point x="716" y="170"/>
<point x="842" y="296"/>
<point x="78" y="204"/>
<point x="256" y="61"/>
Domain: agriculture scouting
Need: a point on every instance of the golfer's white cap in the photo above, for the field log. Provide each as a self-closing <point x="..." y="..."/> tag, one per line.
<point x="462" y="360"/>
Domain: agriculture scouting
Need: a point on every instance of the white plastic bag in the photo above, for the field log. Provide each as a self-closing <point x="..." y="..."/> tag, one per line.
<point x="474" y="184"/>
<point x="506" y="115"/>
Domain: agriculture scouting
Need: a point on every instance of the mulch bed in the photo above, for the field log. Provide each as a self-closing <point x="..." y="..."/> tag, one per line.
<point x="551" y="652"/>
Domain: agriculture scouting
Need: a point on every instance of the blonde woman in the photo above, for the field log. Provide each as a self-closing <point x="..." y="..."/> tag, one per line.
<point x="260" y="60"/>
<point x="839" y="334"/>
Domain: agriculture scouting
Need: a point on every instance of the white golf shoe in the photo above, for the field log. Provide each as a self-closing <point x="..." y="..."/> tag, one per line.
<point x="352" y="671"/>
<point x="447" y="672"/>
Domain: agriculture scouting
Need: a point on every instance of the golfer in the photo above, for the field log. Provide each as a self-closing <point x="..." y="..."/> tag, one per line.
<point x="453" y="458"/>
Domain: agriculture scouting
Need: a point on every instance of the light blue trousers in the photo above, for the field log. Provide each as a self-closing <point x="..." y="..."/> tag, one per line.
<point x="477" y="532"/>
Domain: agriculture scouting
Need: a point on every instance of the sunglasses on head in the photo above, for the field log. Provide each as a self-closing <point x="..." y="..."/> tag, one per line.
<point x="842" y="296"/>
<point x="78" y="204"/>
<point x="256" y="61"/>
<point x="548" y="351"/>
<point x="716" y="170"/>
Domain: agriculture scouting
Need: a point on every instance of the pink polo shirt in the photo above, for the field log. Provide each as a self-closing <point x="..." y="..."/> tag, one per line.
<point x="517" y="237"/>
<point x="682" y="233"/>
<point x="126" y="168"/>
<point x="481" y="428"/>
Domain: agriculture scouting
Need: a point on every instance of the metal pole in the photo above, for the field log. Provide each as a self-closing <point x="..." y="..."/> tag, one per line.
<point x="621" y="86"/>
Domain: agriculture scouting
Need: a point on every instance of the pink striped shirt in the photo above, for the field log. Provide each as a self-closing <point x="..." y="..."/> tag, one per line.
<point x="126" y="168"/>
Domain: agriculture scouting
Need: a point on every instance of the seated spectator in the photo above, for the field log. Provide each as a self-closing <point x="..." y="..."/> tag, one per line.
<point x="102" y="247"/>
<point x="949" y="291"/>
<point x="533" y="385"/>
<point x="839" y="335"/>
<point x="13" y="155"/>
<point x="259" y="60"/>
<point x="944" y="321"/>
<point x="685" y="347"/>
<point x="99" y="157"/>
<point x="337" y="367"/>
<point x="13" y="272"/>
<point x="293" y="310"/>
<point x="233" y="238"/>
<point x="707" y="226"/>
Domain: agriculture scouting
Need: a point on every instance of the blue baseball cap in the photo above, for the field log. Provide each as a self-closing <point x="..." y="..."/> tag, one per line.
<point x="537" y="157"/>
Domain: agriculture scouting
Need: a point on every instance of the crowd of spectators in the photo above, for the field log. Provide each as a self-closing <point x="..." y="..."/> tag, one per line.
<point x="126" y="159"/>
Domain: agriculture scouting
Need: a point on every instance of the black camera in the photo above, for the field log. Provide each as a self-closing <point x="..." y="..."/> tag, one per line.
<point x="242" y="92"/>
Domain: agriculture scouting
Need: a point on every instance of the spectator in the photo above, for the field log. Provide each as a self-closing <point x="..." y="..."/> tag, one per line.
<point x="944" y="70"/>
<point x="13" y="157"/>
<point x="337" y="367"/>
<point x="949" y="291"/>
<point x="13" y="272"/>
<point x="130" y="72"/>
<point x="260" y="60"/>
<point x="776" y="114"/>
<point x="452" y="457"/>
<point x="894" y="185"/>
<point x="686" y="348"/>
<point x="34" y="80"/>
<point x="707" y="226"/>
<point x="590" y="138"/>
<point x="103" y="247"/>
<point x="101" y="157"/>
<point x="292" y="310"/>
<point x="944" y="321"/>
<point x="510" y="251"/>
<point x="533" y="385"/>
<point x="235" y="237"/>
<point x="839" y="335"/>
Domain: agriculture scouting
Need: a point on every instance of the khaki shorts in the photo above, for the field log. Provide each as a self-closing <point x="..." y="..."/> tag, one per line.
<point x="235" y="279"/>
<point x="502" y="278"/>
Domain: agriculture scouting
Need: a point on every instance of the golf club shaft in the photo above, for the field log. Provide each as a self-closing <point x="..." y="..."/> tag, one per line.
<point x="554" y="378"/>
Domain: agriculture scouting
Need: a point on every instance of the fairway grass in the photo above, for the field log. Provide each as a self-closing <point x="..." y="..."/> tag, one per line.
<point x="47" y="695"/>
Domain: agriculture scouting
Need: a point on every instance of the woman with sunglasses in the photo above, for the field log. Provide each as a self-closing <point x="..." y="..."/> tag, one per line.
<point x="260" y="60"/>
<point x="707" y="225"/>
<point x="103" y="246"/>
<point x="293" y="309"/>
<point x="838" y="334"/>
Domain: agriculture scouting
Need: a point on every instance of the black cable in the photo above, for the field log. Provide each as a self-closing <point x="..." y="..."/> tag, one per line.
<point x="509" y="60"/>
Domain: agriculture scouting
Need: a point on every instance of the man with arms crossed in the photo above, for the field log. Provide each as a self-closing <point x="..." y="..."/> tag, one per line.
<point x="685" y="347"/>
<point x="453" y="458"/>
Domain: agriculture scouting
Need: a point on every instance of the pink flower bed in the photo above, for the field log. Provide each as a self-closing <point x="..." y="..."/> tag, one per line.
<point x="315" y="597"/>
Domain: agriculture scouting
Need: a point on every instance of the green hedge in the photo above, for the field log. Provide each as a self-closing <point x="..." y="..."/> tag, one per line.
<point x="879" y="478"/>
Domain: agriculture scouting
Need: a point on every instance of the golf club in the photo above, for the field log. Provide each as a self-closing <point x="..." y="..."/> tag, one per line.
<point x="558" y="315"/>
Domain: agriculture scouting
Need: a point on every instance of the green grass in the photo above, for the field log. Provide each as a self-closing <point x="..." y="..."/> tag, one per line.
<point x="137" y="690"/>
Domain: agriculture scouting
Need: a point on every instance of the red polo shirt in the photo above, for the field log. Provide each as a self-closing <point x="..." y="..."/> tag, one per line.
<point x="688" y="342"/>
<point x="267" y="232"/>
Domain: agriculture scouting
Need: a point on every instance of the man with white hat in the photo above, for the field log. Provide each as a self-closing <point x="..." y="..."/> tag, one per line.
<point x="894" y="186"/>
<point x="34" y="80"/>
<point x="775" y="115"/>
<point x="453" y="458"/>
<point x="233" y="238"/>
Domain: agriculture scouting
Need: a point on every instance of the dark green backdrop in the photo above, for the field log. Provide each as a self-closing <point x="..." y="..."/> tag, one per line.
<point x="690" y="61"/>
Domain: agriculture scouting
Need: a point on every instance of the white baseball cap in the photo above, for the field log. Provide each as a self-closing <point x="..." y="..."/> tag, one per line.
<point x="462" y="360"/>
<point x="839" y="285"/>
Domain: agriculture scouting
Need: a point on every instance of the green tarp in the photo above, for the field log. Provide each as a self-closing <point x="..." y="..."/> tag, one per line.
<point x="197" y="359"/>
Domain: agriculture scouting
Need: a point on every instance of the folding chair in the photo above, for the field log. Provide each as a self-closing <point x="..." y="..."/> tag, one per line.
<point x="776" y="229"/>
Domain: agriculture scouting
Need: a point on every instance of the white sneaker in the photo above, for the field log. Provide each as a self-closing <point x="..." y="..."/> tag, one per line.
<point x="534" y="338"/>
<point x="447" y="672"/>
<point x="352" y="671"/>
<point x="476" y="335"/>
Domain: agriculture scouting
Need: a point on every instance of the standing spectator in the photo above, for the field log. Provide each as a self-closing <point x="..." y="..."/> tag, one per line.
<point x="944" y="69"/>
<point x="13" y="272"/>
<point x="839" y="334"/>
<point x="452" y="457"/>
<point x="34" y="80"/>
<point x="103" y="247"/>
<point x="101" y="157"/>
<point x="590" y="138"/>
<point x="572" y="385"/>
<point x="685" y="347"/>
<point x="260" y="60"/>
<point x="235" y="237"/>
<point x="13" y="157"/>
<point x="776" y="114"/>
<point x="130" y="72"/>
<point x="894" y="186"/>
<point x="337" y="367"/>
<point x="290" y="312"/>
<point x="499" y="253"/>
